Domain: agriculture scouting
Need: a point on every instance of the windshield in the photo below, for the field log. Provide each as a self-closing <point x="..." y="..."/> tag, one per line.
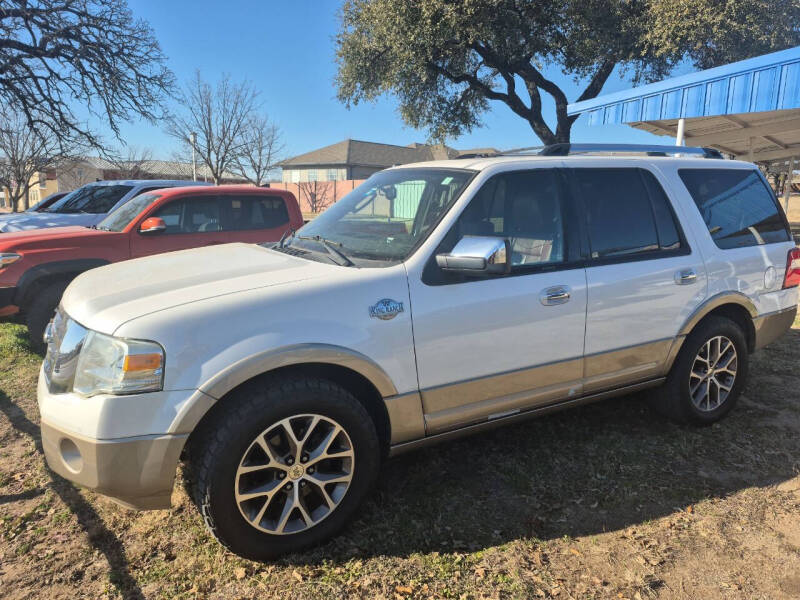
<point x="95" y="199"/>
<point x="119" y="219"/>
<point x="387" y="217"/>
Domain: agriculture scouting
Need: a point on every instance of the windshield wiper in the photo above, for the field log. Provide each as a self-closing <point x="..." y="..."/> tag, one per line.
<point x="329" y="248"/>
<point x="285" y="235"/>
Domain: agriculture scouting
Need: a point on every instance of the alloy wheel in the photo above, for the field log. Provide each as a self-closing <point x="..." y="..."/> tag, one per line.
<point x="294" y="474"/>
<point x="713" y="373"/>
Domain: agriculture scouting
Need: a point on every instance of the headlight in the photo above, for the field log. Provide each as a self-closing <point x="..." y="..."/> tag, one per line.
<point x="6" y="258"/>
<point x="109" y="365"/>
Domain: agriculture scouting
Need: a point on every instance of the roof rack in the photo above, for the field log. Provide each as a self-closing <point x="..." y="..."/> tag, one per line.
<point x="566" y="149"/>
<point x="648" y="149"/>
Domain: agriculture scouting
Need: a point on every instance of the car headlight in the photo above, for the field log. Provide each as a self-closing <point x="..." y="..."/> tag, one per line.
<point x="6" y="258"/>
<point x="109" y="365"/>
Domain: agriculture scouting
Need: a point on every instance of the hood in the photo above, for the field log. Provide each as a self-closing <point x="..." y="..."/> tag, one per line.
<point x="54" y="237"/>
<point x="104" y="298"/>
<point x="39" y="220"/>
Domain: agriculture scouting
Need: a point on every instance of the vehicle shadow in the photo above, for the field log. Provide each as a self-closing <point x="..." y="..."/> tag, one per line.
<point x="581" y="472"/>
<point x="100" y="536"/>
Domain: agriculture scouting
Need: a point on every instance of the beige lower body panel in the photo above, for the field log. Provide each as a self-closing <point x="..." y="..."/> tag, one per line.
<point x="488" y="398"/>
<point x="135" y="472"/>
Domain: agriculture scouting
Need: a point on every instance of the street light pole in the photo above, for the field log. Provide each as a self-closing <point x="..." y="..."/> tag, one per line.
<point x="193" y="140"/>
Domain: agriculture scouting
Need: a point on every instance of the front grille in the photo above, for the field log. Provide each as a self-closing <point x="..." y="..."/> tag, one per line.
<point x="64" y="342"/>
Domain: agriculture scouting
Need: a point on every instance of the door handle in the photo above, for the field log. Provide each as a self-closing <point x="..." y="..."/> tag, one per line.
<point x="685" y="276"/>
<point x="551" y="296"/>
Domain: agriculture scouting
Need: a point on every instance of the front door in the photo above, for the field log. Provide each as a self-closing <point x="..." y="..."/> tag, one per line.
<point x="493" y="346"/>
<point x="192" y="222"/>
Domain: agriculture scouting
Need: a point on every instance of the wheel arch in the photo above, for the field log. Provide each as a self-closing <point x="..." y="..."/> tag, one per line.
<point x="355" y="372"/>
<point x="732" y="305"/>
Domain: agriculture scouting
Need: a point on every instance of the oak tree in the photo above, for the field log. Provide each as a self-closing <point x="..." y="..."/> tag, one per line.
<point x="446" y="60"/>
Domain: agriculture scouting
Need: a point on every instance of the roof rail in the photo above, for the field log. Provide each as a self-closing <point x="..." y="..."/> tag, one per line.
<point x="650" y="150"/>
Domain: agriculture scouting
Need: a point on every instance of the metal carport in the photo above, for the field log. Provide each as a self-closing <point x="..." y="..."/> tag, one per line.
<point x="749" y="109"/>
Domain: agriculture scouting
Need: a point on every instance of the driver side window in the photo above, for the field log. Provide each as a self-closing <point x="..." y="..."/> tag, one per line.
<point x="525" y="207"/>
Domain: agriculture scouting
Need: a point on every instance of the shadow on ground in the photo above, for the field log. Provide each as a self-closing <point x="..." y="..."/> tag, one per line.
<point x="100" y="536"/>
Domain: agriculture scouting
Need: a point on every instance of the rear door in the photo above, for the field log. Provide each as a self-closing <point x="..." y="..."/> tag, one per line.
<point x="644" y="278"/>
<point x="192" y="222"/>
<point x="256" y="218"/>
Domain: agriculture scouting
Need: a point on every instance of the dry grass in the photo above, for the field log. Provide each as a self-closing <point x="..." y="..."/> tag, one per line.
<point x="608" y="501"/>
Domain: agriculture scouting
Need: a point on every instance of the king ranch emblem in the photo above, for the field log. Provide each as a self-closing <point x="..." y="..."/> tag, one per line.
<point x="386" y="309"/>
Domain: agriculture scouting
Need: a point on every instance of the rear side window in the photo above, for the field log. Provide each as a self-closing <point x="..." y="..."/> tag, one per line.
<point x="627" y="212"/>
<point x="257" y="212"/>
<point x="736" y="206"/>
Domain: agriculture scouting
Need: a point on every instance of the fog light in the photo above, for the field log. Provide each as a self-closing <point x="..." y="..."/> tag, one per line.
<point x="71" y="455"/>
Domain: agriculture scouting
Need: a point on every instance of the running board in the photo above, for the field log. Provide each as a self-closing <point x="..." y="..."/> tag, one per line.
<point x="500" y="420"/>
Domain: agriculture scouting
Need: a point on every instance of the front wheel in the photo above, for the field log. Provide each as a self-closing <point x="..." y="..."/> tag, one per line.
<point x="41" y="311"/>
<point x="708" y="375"/>
<point x="283" y="465"/>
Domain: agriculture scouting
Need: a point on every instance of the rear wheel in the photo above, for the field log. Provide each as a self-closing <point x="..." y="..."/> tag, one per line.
<point x="708" y="375"/>
<point x="284" y="466"/>
<point x="41" y="311"/>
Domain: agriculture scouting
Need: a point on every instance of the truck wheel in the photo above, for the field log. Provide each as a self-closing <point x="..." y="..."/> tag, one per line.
<point x="708" y="375"/>
<point x="41" y="310"/>
<point x="283" y="465"/>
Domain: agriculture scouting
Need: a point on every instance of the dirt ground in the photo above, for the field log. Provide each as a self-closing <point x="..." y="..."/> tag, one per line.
<point x="606" y="501"/>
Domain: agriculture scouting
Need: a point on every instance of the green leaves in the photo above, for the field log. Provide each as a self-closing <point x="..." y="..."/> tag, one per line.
<point x="445" y="60"/>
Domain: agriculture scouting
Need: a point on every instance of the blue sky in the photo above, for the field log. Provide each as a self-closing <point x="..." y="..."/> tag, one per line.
<point x="286" y="48"/>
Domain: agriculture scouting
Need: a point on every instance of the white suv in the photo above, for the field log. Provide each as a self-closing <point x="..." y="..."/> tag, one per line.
<point x="435" y="300"/>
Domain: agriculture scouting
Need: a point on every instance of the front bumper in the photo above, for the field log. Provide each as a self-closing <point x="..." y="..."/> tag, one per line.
<point x="136" y="472"/>
<point x="771" y="326"/>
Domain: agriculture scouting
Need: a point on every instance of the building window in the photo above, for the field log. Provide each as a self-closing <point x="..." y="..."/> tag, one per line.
<point x="42" y="179"/>
<point x="295" y="176"/>
<point x="311" y="175"/>
<point x="333" y="175"/>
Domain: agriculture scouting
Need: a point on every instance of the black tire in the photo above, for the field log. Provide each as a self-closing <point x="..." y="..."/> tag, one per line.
<point x="674" y="399"/>
<point x="41" y="310"/>
<point x="219" y="445"/>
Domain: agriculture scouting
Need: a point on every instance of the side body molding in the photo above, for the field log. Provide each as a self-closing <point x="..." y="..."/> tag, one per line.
<point x="269" y="360"/>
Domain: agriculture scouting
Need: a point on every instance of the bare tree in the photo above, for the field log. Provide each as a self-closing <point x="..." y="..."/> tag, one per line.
<point x="317" y="194"/>
<point x="131" y="162"/>
<point x="219" y="116"/>
<point x="56" y="54"/>
<point x="261" y="150"/>
<point x="24" y="152"/>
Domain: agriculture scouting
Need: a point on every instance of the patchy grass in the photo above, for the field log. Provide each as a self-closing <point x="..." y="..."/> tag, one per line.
<point x="606" y="501"/>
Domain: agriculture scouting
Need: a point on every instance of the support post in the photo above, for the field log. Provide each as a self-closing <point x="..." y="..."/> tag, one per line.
<point x="787" y="188"/>
<point x="679" y="138"/>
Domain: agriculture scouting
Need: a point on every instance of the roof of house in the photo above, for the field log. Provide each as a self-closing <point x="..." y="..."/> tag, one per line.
<point x="369" y="154"/>
<point x="170" y="168"/>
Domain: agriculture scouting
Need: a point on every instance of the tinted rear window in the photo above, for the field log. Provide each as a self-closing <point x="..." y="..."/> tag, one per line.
<point x="736" y="206"/>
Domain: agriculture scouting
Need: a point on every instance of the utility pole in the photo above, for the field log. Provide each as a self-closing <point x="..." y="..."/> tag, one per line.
<point x="193" y="141"/>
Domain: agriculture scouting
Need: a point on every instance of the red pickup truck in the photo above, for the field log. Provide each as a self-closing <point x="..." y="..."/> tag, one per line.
<point x="37" y="265"/>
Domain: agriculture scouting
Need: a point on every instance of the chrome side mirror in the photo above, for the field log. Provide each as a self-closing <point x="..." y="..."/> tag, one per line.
<point x="477" y="255"/>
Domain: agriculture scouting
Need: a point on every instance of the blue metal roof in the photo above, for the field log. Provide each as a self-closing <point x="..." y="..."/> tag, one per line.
<point x="763" y="83"/>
